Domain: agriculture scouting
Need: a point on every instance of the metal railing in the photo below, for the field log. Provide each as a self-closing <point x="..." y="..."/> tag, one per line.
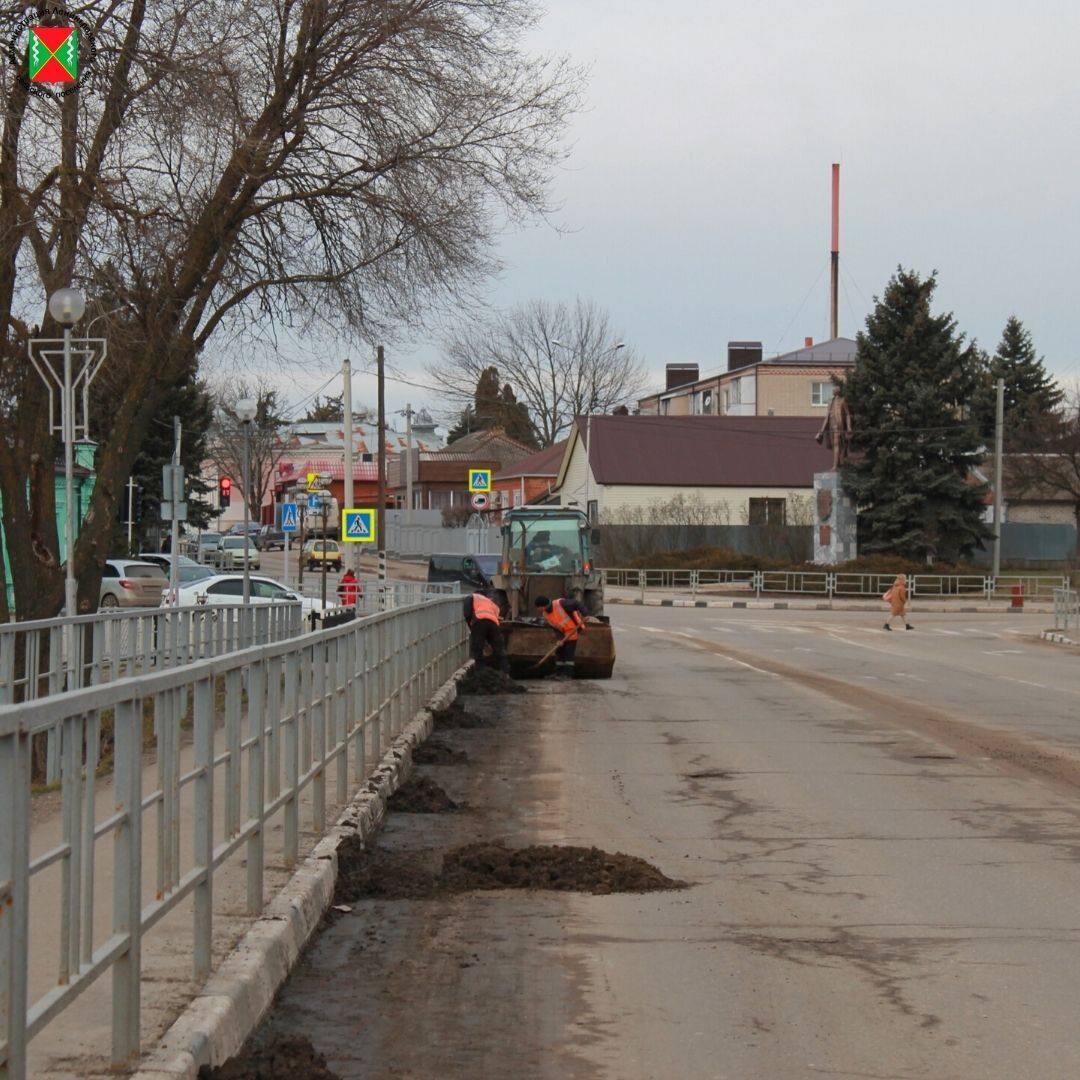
<point x="1066" y="608"/>
<point x="828" y="585"/>
<point x="398" y="593"/>
<point x="47" y="656"/>
<point x="267" y="722"/>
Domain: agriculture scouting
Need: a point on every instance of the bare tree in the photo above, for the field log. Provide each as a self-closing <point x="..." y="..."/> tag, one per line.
<point x="228" y="168"/>
<point x="1051" y="470"/>
<point x="267" y="438"/>
<point x="561" y="361"/>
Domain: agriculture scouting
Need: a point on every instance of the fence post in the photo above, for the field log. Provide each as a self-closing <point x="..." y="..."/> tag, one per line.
<point x="127" y="882"/>
<point x="15" y="907"/>
<point x="256" y="786"/>
<point x="204" y="825"/>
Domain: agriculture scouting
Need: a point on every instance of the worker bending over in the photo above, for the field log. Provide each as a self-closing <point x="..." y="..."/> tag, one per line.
<point x="567" y="617"/>
<point x="482" y="618"/>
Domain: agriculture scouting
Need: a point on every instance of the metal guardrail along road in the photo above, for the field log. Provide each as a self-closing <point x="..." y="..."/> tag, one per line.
<point x="829" y="585"/>
<point x="48" y="656"/>
<point x="267" y="722"/>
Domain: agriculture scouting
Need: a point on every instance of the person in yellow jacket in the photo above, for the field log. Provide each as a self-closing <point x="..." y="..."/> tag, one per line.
<point x="482" y="618"/>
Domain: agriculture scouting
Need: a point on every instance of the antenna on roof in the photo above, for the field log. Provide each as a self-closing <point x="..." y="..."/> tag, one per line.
<point x="834" y="291"/>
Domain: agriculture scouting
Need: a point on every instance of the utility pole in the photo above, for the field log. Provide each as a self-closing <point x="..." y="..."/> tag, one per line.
<point x="174" y="536"/>
<point x="346" y="397"/>
<point x="999" y="439"/>
<point x="408" y="464"/>
<point x="834" y="276"/>
<point x="380" y="510"/>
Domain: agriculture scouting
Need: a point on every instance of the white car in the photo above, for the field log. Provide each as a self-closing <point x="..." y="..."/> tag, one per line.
<point x="229" y="589"/>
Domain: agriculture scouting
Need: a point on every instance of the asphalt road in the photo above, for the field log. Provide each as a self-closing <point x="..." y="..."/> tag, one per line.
<point x="881" y="831"/>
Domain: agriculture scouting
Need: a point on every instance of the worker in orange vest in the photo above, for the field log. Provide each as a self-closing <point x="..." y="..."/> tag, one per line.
<point x="567" y="617"/>
<point x="482" y="617"/>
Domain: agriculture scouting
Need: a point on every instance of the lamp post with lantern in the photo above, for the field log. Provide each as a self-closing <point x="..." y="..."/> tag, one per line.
<point x="56" y="363"/>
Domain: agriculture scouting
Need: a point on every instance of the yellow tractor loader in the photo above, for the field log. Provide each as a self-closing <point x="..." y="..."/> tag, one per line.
<point x="547" y="551"/>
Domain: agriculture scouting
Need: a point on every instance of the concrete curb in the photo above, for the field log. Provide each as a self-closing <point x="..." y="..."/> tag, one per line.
<point x="1057" y="637"/>
<point x="826" y="605"/>
<point x="235" y="998"/>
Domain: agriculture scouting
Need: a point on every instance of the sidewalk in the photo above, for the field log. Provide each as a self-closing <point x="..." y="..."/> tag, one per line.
<point x="77" y="1044"/>
<point x="682" y="599"/>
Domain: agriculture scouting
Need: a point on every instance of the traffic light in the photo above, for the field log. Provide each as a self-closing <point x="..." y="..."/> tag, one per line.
<point x="224" y="491"/>
<point x="137" y="504"/>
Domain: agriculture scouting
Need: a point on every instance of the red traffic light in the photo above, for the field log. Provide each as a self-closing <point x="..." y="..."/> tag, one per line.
<point x="224" y="491"/>
<point x="226" y="484"/>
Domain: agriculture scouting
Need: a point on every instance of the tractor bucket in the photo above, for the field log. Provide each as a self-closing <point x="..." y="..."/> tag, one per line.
<point x="529" y="645"/>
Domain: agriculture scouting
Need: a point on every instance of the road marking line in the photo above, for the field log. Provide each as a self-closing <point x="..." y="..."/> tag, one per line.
<point x="939" y="630"/>
<point x="704" y="648"/>
<point x="1003" y="652"/>
<point x="722" y="629"/>
<point x="1025" y="682"/>
<point x="973" y="630"/>
<point x="905" y="675"/>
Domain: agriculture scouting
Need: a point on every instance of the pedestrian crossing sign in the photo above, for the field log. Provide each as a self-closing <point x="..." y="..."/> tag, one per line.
<point x="479" y="480"/>
<point x="313" y="481"/>
<point x="358" y="526"/>
<point x="288" y="517"/>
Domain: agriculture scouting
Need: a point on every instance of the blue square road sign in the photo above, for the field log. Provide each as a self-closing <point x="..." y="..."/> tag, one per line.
<point x="358" y="526"/>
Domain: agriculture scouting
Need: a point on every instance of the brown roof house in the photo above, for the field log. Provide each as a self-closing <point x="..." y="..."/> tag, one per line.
<point x="441" y="477"/>
<point x="528" y="480"/>
<point x="707" y="470"/>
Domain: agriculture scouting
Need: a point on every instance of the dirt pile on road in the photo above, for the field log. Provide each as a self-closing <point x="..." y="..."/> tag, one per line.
<point x="434" y="752"/>
<point x="565" y="869"/>
<point x="454" y="716"/>
<point x="415" y="875"/>
<point x="486" y="680"/>
<point x="280" y="1057"/>
<point x="421" y="795"/>
<point x="373" y="873"/>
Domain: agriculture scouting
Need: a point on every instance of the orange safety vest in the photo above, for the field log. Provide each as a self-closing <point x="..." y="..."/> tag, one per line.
<point x="483" y="608"/>
<point x="566" y="624"/>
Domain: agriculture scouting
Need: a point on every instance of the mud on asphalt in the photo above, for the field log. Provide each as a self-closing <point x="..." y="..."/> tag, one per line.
<point x="443" y="842"/>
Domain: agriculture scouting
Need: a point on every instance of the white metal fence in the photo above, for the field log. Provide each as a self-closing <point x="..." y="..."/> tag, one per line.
<point x="46" y="656"/>
<point x="397" y="593"/>
<point x="828" y="585"/>
<point x="1066" y="609"/>
<point x="267" y="723"/>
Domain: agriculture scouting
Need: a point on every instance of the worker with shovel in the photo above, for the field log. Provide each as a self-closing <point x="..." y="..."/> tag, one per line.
<point x="567" y="617"/>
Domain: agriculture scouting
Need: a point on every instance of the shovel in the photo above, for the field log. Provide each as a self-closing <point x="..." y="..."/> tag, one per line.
<point x="550" y="653"/>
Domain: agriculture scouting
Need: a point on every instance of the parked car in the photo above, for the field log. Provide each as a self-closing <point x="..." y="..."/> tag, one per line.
<point x="189" y="569"/>
<point x="229" y="589"/>
<point x="269" y="537"/>
<point x="462" y="568"/>
<point x="206" y="545"/>
<point x="230" y="553"/>
<point x="320" y="553"/>
<point x="131" y="583"/>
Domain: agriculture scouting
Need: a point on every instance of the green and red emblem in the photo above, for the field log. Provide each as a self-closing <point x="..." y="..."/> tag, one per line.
<point x="52" y="54"/>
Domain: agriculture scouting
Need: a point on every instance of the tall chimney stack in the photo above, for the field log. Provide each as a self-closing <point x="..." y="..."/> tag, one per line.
<point x="834" y="294"/>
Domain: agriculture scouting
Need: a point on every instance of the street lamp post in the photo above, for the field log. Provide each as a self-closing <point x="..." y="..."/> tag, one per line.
<point x="246" y="409"/>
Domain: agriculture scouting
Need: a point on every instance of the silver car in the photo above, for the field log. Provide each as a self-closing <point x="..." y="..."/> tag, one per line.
<point x="230" y="554"/>
<point x="131" y="583"/>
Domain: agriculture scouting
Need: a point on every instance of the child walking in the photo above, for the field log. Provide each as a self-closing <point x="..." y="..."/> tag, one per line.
<point x="896" y="598"/>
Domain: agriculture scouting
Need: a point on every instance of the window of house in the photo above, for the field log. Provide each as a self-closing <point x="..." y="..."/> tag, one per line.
<point x="665" y="406"/>
<point x="368" y="459"/>
<point x="768" y="511"/>
<point x="706" y="402"/>
<point x="593" y="511"/>
<point x="734" y="392"/>
<point x="820" y="393"/>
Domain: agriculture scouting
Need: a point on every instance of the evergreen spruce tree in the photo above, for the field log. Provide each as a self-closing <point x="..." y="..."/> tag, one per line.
<point x="1030" y="392"/>
<point x="914" y="445"/>
<point x="493" y="407"/>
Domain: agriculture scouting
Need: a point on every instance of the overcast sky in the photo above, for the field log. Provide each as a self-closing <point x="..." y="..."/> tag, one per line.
<point x="696" y="197"/>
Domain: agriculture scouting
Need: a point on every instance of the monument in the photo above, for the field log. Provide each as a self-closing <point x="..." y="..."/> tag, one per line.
<point x="834" y="536"/>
